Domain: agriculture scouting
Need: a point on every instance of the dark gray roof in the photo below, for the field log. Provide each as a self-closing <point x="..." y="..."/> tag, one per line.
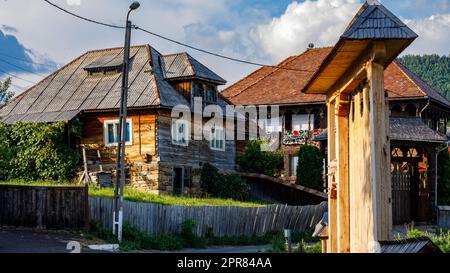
<point x="425" y="87"/>
<point x="71" y="90"/>
<point x="406" y="129"/>
<point x="374" y="21"/>
<point x="183" y="65"/>
<point x="415" y="245"/>
<point x="413" y="129"/>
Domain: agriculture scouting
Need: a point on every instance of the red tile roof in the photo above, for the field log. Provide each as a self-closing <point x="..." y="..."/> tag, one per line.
<point x="271" y="86"/>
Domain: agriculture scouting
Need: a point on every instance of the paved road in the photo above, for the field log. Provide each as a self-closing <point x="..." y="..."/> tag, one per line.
<point x="34" y="241"/>
<point x="20" y="240"/>
<point x="214" y="250"/>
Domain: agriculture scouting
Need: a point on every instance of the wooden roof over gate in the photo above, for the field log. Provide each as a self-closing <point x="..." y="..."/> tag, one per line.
<point x="372" y="23"/>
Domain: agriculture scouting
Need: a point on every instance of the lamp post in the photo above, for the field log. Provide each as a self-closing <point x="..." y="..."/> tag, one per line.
<point x="122" y="134"/>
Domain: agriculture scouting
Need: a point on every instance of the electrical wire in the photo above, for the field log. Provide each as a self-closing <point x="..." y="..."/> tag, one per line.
<point x="15" y="76"/>
<point x="21" y="68"/>
<point x="27" y="61"/>
<point x="177" y="42"/>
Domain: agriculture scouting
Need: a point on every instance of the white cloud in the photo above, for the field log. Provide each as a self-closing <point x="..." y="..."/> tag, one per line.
<point x="434" y="35"/>
<point x="319" y="22"/>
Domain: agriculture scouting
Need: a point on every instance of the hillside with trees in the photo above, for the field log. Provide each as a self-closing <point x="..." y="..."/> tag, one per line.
<point x="434" y="69"/>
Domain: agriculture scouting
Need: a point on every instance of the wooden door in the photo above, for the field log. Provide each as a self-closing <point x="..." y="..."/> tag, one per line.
<point x="177" y="177"/>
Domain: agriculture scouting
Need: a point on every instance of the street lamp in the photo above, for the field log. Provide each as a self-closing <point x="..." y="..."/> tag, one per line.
<point x="120" y="163"/>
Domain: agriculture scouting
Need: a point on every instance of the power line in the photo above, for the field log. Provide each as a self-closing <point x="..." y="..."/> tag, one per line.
<point x="27" y="61"/>
<point x="21" y="68"/>
<point x="178" y="42"/>
<point x="15" y="76"/>
<point x="84" y="18"/>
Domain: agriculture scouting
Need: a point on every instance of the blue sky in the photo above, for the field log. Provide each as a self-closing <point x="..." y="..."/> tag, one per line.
<point x="257" y="30"/>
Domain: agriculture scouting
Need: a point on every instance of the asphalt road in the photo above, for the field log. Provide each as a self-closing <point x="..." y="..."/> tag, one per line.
<point x="21" y="240"/>
<point x="14" y="240"/>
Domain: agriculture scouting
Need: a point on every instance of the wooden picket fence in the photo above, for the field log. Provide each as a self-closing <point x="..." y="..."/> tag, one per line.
<point x="44" y="207"/>
<point x="222" y="221"/>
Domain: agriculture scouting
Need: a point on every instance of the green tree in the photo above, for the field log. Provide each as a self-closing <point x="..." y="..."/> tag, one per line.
<point x="444" y="178"/>
<point x="264" y="162"/>
<point x="310" y="167"/>
<point x="433" y="69"/>
<point x="5" y="94"/>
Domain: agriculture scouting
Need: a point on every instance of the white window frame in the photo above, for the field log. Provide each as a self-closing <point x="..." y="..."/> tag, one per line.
<point x="302" y="122"/>
<point x="175" y="140"/>
<point x="115" y="122"/>
<point x="214" y="137"/>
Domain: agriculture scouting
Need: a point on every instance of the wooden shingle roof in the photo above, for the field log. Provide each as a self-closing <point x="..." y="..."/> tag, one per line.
<point x="86" y="84"/>
<point x="409" y="246"/>
<point x="376" y="22"/>
<point x="405" y="129"/>
<point x="272" y="86"/>
<point x="183" y="65"/>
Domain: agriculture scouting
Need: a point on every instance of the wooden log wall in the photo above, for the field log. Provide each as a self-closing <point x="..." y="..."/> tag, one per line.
<point x="224" y="221"/>
<point x="44" y="207"/>
<point x="143" y="148"/>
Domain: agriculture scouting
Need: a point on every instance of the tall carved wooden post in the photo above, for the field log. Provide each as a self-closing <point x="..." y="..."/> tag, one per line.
<point x="352" y="77"/>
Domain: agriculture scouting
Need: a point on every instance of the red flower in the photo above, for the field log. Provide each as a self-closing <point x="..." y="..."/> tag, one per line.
<point x="296" y="133"/>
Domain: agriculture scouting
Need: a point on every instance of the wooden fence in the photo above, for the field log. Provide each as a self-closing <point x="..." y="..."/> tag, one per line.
<point x="443" y="218"/>
<point x="279" y="191"/>
<point x="44" y="207"/>
<point x="222" y="221"/>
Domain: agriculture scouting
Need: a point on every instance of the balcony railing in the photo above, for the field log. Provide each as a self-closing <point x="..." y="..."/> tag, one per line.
<point x="300" y="137"/>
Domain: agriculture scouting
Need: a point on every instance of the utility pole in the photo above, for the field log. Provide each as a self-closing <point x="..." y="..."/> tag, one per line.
<point x="122" y="134"/>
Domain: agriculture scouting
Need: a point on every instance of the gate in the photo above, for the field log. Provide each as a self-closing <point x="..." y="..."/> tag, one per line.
<point x="401" y="197"/>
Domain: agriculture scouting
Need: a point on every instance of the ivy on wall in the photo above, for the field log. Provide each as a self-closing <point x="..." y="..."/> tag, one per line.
<point x="35" y="151"/>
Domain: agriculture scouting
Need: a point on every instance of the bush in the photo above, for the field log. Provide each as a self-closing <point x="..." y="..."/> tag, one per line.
<point x="444" y="178"/>
<point x="310" y="167"/>
<point x="36" y="151"/>
<point x="223" y="186"/>
<point x="256" y="161"/>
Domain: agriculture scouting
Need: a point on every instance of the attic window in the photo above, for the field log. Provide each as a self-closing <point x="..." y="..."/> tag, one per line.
<point x="105" y="70"/>
<point x="106" y="66"/>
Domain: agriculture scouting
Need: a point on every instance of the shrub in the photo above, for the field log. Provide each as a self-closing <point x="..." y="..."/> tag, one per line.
<point x="310" y="167"/>
<point x="223" y="186"/>
<point x="264" y="162"/>
<point x="36" y="151"/>
<point x="188" y="236"/>
<point x="444" y="178"/>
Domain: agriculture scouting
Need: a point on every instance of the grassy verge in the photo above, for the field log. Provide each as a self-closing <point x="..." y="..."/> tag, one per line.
<point x="41" y="183"/>
<point x="135" y="239"/>
<point x="145" y="197"/>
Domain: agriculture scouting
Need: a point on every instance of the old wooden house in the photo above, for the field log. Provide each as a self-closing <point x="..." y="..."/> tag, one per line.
<point x="417" y="124"/>
<point x="161" y="155"/>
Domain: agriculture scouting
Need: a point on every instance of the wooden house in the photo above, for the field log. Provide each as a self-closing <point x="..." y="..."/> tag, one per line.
<point x="88" y="90"/>
<point x="417" y="113"/>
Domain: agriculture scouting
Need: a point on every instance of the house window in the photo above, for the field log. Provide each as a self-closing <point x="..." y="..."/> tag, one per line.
<point x="301" y="123"/>
<point x="111" y="132"/>
<point x="293" y="165"/>
<point x="210" y="94"/>
<point x="206" y="91"/>
<point x="180" y="132"/>
<point x="217" y="141"/>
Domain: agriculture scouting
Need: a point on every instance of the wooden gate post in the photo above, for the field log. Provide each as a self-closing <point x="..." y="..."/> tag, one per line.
<point x="352" y="78"/>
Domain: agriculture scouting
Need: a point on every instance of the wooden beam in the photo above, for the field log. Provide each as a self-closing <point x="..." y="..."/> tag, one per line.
<point x="342" y="142"/>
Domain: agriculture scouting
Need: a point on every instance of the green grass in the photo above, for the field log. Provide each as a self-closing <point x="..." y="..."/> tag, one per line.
<point x="145" y="197"/>
<point x="40" y="183"/>
<point x="441" y="238"/>
<point x="135" y="239"/>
